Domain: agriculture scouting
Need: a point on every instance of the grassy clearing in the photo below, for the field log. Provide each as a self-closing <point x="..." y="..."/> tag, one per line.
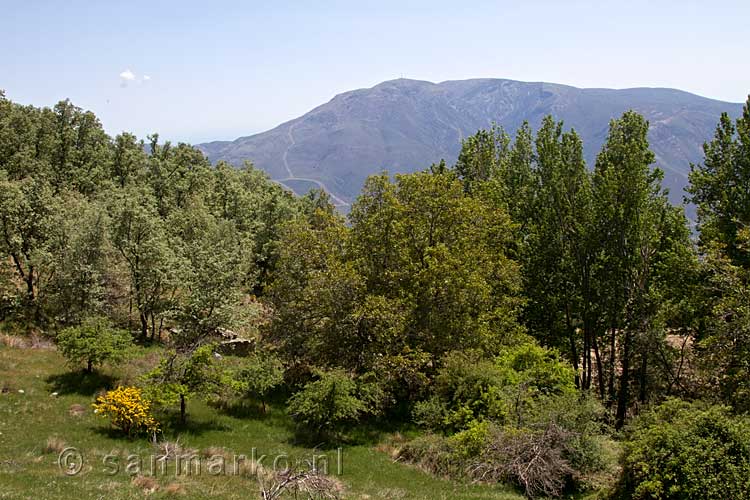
<point x="35" y="426"/>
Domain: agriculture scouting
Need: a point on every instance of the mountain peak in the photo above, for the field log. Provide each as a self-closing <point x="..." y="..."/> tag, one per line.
<point x="404" y="125"/>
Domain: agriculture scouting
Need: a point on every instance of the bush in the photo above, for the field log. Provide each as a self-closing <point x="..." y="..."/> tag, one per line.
<point x="434" y="454"/>
<point x="532" y="460"/>
<point x="93" y="342"/>
<point x="687" y="451"/>
<point x="472" y="441"/>
<point x="469" y="388"/>
<point x="558" y="449"/>
<point x="581" y="416"/>
<point x="328" y="402"/>
<point x="258" y="375"/>
<point x="127" y="410"/>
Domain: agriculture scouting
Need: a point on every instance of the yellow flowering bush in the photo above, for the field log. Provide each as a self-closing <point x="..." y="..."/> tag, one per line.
<point x="127" y="409"/>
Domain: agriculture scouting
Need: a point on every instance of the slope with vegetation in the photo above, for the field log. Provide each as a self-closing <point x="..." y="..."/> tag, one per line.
<point x="493" y="323"/>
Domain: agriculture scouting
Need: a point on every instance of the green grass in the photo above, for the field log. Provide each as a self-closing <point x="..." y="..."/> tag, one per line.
<point x="28" y="419"/>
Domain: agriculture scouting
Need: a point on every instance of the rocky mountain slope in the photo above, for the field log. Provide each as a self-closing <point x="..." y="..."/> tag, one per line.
<point x="405" y="125"/>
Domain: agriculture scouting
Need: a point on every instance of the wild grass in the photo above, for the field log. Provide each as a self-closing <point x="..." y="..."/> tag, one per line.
<point x="36" y="425"/>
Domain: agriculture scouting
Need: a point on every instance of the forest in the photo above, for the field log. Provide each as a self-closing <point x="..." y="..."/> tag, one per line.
<point x="519" y="319"/>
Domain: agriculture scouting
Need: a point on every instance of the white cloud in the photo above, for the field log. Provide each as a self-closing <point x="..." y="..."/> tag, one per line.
<point x="127" y="75"/>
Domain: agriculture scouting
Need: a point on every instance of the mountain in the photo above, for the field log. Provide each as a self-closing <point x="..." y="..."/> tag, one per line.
<point x="406" y="125"/>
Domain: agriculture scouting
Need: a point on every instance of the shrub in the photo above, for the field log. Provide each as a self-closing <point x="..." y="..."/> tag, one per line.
<point x="687" y="451"/>
<point x="533" y="460"/>
<point x="472" y="441"/>
<point x="558" y="449"/>
<point x="539" y="368"/>
<point x="93" y="343"/>
<point x="327" y="402"/>
<point x="469" y="388"/>
<point x="127" y="410"/>
<point x="259" y="375"/>
<point x="581" y="415"/>
<point x="434" y="454"/>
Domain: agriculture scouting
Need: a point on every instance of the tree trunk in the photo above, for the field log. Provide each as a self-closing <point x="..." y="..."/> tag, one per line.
<point x="599" y="368"/>
<point x="573" y="350"/>
<point x="623" y="394"/>
<point x="643" y="378"/>
<point x="183" y="418"/>
<point x="144" y="325"/>
<point x="89" y="366"/>
<point x="30" y="285"/>
<point x="612" y="361"/>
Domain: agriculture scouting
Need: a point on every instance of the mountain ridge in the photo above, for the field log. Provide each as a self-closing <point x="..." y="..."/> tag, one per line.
<point x="404" y="125"/>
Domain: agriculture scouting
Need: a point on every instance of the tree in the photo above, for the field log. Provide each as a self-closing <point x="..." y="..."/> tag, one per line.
<point x="26" y="216"/>
<point x="214" y="267"/>
<point x="128" y="160"/>
<point x="328" y="402"/>
<point x="140" y="237"/>
<point x="482" y="156"/>
<point x="182" y="375"/>
<point x="79" y="259"/>
<point x="443" y="255"/>
<point x="258" y="375"/>
<point x="719" y="186"/>
<point x="687" y="451"/>
<point x="560" y="253"/>
<point x="176" y="174"/>
<point x="724" y="341"/>
<point x="94" y="342"/>
<point x="80" y="151"/>
<point x="636" y="226"/>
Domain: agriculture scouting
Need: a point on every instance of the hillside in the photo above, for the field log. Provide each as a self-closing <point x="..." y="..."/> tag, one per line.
<point x="405" y="125"/>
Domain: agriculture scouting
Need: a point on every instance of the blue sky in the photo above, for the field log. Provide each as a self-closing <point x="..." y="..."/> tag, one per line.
<point x="219" y="70"/>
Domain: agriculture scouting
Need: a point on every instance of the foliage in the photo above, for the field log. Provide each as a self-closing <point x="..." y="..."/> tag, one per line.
<point x="724" y="347"/>
<point x="718" y="186"/>
<point x="94" y="342"/>
<point x="127" y="409"/>
<point x="469" y="388"/>
<point x="328" y="402"/>
<point x="687" y="451"/>
<point x="258" y="375"/>
<point x="182" y="375"/>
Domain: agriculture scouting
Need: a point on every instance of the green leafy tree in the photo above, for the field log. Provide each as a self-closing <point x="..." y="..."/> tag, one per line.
<point x="128" y="160"/>
<point x="94" y="342"/>
<point x="719" y="186"/>
<point x="79" y="260"/>
<point x="724" y="343"/>
<point x="26" y="222"/>
<point x="560" y="252"/>
<point x="636" y="226"/>
<point x="327" y="403"/>
<point x="214" y="269"/>
<point x="140" y="237"/>
<point x="687" y="451"/>
<point x="258" y="375"/>
<point x="183" y="375"/>
<point x="442" y="255"/>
